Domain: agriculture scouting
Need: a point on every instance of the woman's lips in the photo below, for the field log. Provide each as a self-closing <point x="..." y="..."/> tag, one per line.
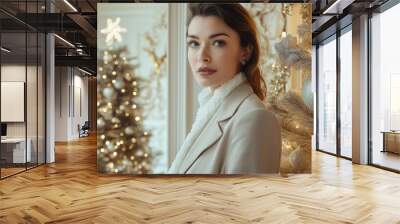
<point x="206" y="71"/>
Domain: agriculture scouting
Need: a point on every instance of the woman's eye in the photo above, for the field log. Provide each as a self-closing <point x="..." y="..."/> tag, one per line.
<point x="219" y="43"/>
<point x="193" y="44"/>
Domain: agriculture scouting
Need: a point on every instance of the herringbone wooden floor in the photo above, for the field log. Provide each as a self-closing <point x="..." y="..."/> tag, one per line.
<point x="70" y="191"/>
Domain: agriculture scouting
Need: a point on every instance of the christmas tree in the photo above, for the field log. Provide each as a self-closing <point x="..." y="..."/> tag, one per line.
<point x="122" y="142"/>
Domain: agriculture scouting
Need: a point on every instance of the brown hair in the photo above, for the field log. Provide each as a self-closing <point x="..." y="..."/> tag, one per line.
<point x="238" y="19"/>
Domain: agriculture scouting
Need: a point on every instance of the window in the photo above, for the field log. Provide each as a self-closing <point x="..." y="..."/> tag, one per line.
<point x="385" y="89"/>
<point x="346" y="93"/>
<point x="327" y="96"/>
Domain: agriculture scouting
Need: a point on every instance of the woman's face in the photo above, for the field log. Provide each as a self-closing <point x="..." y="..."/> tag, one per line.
<point x="214" y="51"/>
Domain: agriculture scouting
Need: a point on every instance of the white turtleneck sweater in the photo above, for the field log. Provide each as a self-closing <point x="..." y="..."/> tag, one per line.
<point x="209" y="103"/>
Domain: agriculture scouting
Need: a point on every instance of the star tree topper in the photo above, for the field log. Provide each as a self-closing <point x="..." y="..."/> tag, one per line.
<point x="113" y="31"/>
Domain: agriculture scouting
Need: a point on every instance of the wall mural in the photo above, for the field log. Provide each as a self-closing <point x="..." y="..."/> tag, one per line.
<point x="132" y="91"/>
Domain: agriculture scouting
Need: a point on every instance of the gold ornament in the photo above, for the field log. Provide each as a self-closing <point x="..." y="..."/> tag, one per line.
<point x="295" y="118"/>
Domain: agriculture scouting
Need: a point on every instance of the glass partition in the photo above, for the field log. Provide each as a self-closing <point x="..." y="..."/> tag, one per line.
<point x="22" y="89"/>
<point x="41" y="91"/>
<point x="13" y="95"/>
<point x="31" y="98"/>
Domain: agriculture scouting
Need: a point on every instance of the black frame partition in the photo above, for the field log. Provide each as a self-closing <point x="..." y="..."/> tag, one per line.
<point x="31" y="43"/>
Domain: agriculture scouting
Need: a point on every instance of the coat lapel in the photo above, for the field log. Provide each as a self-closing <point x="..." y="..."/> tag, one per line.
<point x="213" y="131"/>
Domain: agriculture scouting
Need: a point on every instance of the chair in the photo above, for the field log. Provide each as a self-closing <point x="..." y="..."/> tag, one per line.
<point x="84" y="130"/>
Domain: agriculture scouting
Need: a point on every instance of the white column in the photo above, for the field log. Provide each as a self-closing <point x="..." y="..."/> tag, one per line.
<point x="360" y="90"/>
<point x="50" y="99"/>
<point x="178" y="79"/>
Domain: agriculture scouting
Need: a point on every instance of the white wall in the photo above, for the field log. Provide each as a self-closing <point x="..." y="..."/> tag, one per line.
<point x="61" y="103"/>
<point x="69" y="82"/>
<point x="80" y="94"/>
<point x="12" y="73"/>
<point x="33" y="126"/>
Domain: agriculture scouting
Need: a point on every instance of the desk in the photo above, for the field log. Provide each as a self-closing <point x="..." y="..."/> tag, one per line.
<point x="391" y="141"/>
<point x="15" y="148"/>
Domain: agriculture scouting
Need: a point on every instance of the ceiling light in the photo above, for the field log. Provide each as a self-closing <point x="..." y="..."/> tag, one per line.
<point x="337" y="7"/>
<point x="70" y="5"/>
<point x="86" y="72"/>
<point x="5" y="49"/>
<point x="64" y="40"/>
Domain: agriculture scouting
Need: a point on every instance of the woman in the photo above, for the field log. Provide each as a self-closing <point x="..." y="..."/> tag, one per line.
<point x="233" y="132"/>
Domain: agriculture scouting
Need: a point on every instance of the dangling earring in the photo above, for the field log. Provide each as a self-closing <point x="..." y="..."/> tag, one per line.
<point x="243" y="62"/>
